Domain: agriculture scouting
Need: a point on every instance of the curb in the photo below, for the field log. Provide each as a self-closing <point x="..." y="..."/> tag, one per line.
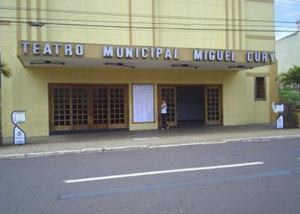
<point x="124" y="148"/>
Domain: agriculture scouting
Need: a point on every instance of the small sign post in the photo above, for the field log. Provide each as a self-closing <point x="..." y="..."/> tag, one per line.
<point x="18" y="117"/>
<point x="279" y="122"/>
<point x="278" y="108"/>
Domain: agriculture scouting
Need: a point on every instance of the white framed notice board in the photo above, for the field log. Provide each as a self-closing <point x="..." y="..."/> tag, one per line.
<point x="143" y="103"/>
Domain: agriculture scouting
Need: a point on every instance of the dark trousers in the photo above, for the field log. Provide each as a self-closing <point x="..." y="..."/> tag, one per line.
<point x="164" y="121"/>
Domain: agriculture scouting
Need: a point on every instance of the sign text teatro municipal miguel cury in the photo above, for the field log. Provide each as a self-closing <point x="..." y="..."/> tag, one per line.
<point x="137" y="52"/>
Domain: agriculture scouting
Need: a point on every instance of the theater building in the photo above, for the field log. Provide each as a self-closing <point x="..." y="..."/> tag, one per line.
<point x="98" y="65"/>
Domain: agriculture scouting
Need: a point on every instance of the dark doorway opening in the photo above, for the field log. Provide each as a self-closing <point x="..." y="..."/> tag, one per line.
<point x="190" y="106"/>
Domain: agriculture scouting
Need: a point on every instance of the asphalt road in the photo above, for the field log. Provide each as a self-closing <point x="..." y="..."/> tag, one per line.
<point x="254" y="177"/>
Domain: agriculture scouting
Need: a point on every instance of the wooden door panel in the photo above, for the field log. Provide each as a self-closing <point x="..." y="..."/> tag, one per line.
<point x="213" y="106"/>
<point x="99" y="107"/>
<point x="60" y="116"/>
<point x="117" y="109"/>
<point x="80" y="107"/>
<point x="74" y="107"/>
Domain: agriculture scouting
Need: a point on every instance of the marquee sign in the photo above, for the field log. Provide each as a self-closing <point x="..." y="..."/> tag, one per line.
<point x="142" y="52"/>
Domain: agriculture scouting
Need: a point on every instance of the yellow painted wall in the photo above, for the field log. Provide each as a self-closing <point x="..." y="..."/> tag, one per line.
<point x="240" y="106"/>
<point x="179" y="23"/>
<point x="100" y="14"/>
<point x="259" y="39"/>
<point x="27" y="89"/>
<point x="7" y="37"/>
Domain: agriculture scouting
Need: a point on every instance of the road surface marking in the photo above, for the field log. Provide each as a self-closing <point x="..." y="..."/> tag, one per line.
<point x="146" y="138"/>
<point x="181" y="184"/>
<point x="162" y="172"/>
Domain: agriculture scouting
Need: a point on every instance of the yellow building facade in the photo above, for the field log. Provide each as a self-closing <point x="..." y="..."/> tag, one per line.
<point x="79" y="65"/>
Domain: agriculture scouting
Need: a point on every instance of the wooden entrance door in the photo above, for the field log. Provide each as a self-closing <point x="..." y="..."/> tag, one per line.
<point x="80" y="107"/>
<point x="117" y="107"/>
<point x="213" y="105"/>
<point x="61" y="108"/>
<point x="74" y="107"/>
<point x="99" y="107"/>
<point x="168" y="93"/>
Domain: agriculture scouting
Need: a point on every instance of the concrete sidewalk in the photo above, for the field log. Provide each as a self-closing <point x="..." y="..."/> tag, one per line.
<point x="116" y="140"/>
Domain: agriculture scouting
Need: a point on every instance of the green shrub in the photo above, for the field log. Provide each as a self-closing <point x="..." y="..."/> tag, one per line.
<point x="289" y="97"/>
<point x="290" y="120"/>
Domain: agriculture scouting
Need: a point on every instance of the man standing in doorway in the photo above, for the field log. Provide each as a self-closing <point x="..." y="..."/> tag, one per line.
<point x="163" y="113"/>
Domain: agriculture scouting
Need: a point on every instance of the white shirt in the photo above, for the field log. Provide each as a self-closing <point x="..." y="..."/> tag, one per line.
<point x="163" y="109"/>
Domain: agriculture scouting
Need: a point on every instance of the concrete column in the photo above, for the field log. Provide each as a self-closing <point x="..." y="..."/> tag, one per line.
<point x="273" y="87"/>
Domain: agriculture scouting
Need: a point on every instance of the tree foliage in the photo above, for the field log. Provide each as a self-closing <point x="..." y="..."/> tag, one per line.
<point x="290" y="79"/>
<point x="289" y="96"/>
<point x="289" y="87"/>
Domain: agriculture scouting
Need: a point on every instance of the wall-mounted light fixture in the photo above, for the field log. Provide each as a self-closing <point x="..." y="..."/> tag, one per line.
<point x="36" y="24"/>
<point x="119" y="64"/>
<point x="184" y="66"/>
<point x="47" y="63"/>
<point x="239" y="67"/>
